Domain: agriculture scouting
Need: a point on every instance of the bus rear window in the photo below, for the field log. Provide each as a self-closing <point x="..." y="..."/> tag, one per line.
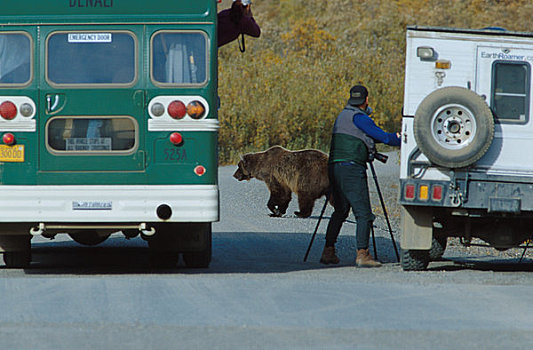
<point x="179" y="58"/>
<point x="91" y="58"/>
<point x="116" y="134"/>
<point x="15" y="58"/>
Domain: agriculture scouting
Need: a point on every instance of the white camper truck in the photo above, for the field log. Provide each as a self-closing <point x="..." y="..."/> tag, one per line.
<point x="467" y="144"/>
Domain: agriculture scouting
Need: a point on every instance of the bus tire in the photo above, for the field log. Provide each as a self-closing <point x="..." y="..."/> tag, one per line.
<point x="18" y="259"/>
<point x="453" y="127"/>
<point x="202" y="258"/>
<point x="414" y="260"/>
<point x="88" y="237"/>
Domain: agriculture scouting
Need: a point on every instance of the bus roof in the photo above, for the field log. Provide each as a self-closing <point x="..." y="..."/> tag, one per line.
<point x="65" y="11"/>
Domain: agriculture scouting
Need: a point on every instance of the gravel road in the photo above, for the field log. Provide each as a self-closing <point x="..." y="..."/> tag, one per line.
<point x="258" y="292"/>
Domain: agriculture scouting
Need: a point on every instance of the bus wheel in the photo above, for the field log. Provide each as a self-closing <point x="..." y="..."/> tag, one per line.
<point x="202" y="258"/>
<point x="88" y="237"/>
<point x="17" y="260"/>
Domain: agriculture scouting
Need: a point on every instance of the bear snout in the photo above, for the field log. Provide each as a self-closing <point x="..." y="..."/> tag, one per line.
<point x="239" y="175"/>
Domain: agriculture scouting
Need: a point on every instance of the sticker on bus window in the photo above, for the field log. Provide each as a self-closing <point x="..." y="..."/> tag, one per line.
<point x="90" y="37"/>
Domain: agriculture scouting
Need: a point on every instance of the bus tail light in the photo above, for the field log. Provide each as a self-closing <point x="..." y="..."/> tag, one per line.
<point x="409" y="192"/>
<point x="177" y="109"/>
<point x="199" y="170"/>
<point x="195" y="109"/>
<point x="8" y="110"/>
<point x="436" y="193"/>
<point x="176" y="138"/>
<point x="158" y="109"/>
<point x="8" y="139"/>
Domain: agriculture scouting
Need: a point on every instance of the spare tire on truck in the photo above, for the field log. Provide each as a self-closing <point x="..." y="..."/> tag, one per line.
<point x="453" y="127"/>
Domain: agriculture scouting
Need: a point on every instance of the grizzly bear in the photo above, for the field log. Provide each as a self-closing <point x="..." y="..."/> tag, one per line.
<point x="303" y="172"/>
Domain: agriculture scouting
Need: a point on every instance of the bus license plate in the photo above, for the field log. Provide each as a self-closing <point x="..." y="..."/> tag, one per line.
<point x="12" y="153"/>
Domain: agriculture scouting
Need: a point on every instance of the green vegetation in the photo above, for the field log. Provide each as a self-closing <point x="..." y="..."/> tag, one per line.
<point x="291" y="83"/>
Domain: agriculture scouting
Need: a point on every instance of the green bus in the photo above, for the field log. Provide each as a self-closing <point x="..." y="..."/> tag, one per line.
<point x="108" y="123"/>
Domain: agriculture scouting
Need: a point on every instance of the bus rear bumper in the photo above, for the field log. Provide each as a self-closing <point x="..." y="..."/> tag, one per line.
<point x="110" y="204"/>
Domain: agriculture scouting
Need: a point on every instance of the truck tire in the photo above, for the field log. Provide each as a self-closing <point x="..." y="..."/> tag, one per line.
<point x="438" y="246"/>
<point x="414" y="260"/>
<point x="453" y="127"/>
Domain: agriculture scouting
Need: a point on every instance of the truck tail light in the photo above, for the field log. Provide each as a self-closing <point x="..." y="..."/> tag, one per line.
<point x="409" y="192"/>
<point x="423" y="193"/>
<point x="436" y="193"/>
<point x="8" y="110"/>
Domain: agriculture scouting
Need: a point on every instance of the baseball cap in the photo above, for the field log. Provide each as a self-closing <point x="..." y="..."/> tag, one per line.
<point x="358" y="95"/>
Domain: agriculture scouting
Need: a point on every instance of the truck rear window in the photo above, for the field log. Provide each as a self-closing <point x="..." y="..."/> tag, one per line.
<point x="15" y="58"/>
<point x="83" y="134"/>
<point x="179" y="58"/>
<point x="91" y="58"/>
<point x="510" y="91"/>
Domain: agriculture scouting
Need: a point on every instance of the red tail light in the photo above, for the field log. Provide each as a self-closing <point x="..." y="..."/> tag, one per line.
<point x="176" y="138"/>
<point x="409" y="191"/>
<point x="199" y="170"/>
<point x="8" y="110"/>
<point x="8" y="138"/>
<point x="177" y="109"/>
<point x="436" y="194"/>
<point x="195" y="109"/>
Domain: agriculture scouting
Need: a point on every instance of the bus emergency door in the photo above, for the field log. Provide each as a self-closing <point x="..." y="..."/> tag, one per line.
<point x="92" y="101"/>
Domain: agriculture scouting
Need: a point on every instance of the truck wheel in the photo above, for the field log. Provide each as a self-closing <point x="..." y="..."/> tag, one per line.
<point x="17" y="260"/>
<point x="88" y="237"/>
<point x="453" y="127"/>
<point x="202" y="258"/>
<point x="414" y="260"/>
<point x="438" y="246"/>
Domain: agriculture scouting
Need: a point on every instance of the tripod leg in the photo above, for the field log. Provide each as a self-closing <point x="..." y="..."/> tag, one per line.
<point x="374" y="243"/>
<point x="384" y="210"/>
<point x="316" y="228"/>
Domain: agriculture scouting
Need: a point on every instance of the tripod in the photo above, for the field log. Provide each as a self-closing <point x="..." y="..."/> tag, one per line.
<point x="383" y="158"/>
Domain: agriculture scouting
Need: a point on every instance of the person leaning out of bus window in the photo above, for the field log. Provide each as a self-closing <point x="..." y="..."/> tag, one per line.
<point x="235" y="21"/>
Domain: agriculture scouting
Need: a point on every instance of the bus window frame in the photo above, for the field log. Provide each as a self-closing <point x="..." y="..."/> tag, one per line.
<point x="207" y="59"/>
<point x="94" y="85"/>
<point x="56" y="152"/>
<point x="32" y="61"/>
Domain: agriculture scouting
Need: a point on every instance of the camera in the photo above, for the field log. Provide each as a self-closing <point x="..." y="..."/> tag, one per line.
<point x="381" y="157"/>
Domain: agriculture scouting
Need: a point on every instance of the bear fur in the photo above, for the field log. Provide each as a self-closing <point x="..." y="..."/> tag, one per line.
<point x="303" y="172"/>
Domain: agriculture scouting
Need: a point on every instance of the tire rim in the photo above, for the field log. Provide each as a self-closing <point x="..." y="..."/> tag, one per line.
<point x="453" y="126"/>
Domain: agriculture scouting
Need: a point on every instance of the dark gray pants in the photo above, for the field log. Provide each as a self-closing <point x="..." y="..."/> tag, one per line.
<point x="349" y="187"/>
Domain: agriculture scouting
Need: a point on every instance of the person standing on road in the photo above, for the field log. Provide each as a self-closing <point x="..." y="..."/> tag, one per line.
<point x="235" y="21"/>
<point x="352" y="146"/>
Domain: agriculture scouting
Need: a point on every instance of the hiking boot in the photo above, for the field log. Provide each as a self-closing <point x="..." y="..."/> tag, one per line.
<point x="364" y="259"/>
<point x="328" y="256"/>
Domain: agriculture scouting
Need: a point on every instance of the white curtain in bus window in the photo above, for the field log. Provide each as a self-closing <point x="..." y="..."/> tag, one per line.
<point x="179" y="58"/>
<point x="15" y="52"/>
<point x="91" y="58"/>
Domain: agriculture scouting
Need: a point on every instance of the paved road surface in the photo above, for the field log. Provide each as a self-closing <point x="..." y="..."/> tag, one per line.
<point x="259" y="294"/>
